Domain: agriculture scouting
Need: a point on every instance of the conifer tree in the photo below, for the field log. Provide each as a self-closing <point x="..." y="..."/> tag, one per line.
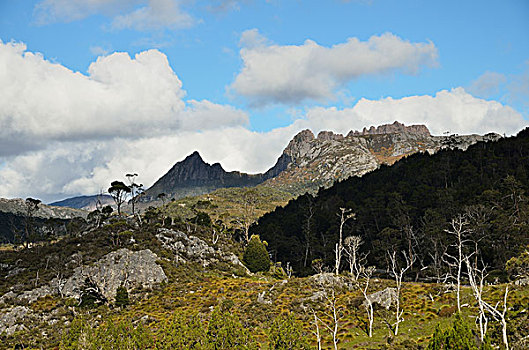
<point x="255" y="256"/>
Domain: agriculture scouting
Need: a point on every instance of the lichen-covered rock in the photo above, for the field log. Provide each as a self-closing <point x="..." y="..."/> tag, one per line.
<point x="123" y="266"/>
<point x="384" y="298"/>
<point x="11" y="319"/>
<point x="192" y="248"/>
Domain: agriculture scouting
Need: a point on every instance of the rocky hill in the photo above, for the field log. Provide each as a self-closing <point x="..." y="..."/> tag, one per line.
<point x="47" y="219"/>
<point x="88" y="203"/>
<point x="193" y="176"/>
<point x="319" y="161"/>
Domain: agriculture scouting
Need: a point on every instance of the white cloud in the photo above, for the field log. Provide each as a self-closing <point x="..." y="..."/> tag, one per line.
<point x="158" y="14"/>
<point x="456" y="111"/>
<point x="293" y="73"/>
<point x="50" y="11"/>
<point x="142" y="15"/>
<point x="119" y="97"/>
<point x="487" y="85"/>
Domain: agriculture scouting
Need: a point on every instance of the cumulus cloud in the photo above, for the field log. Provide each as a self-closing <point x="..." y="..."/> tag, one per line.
<point x="487" y="85"/>
<point x="121" y="96"/>
<point x="290" y="74"/>
<point x="456" y="111"/>
<point x="140" y="15"/>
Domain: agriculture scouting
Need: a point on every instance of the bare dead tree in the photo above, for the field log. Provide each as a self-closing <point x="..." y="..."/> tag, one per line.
<point x="345" y="214"/>
<point x="476" y="278"/>
<point x="398" y="272"/>
<point x="459" y="230"/>
<point x="317" y="331"/>
<point x="352" y="250"/>
<point x="249" y="202"/>
<point x="307" y="227"/>
<point x="363" y="285"/>
<point x="332" y="312"/>
<point x="500" y="316"/>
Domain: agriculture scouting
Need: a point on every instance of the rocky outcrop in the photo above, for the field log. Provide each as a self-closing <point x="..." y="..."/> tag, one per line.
<point x="121" y="267"/>
<point x="395" y="128"/>
<point x="384" y="298"/>
<point x="320" y="161"/>
<point x="11" y="320"/>
<point x="132" y="269"/>
<point x="191" y="248"/>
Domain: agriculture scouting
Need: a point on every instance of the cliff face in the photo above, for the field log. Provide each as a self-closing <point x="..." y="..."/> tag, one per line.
<point x="320" y="161"/>
<point x="193" y="176"/>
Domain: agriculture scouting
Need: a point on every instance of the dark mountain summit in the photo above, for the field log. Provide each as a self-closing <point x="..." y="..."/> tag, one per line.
<point x="193" y="176"/>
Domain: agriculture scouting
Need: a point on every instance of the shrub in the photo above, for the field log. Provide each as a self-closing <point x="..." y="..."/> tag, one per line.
<point x="255" y="256"/>
<point x="286" y="333"/>
<point x="459" y="336"/>
<point x="122" y="297"/>
<point x="225" y="332"/>
<point x="180" y="332"/>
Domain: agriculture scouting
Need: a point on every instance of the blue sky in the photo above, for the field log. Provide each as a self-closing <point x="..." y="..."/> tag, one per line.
<point x="253" y="76"/>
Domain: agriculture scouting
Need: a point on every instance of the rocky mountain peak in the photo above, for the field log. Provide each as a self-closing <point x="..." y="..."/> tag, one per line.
<point x="300" y="143"/>
<point x="394" y="128"/>
<point x="329" y="135"/>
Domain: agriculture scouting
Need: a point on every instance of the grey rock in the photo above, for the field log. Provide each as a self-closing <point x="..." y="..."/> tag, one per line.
<point x="384" y="298"/>
<point x="192" y="248"/>
<point x="11" y="319"/>
<point x="522" y="282"/>
<point x="123" y="266"/>
<point x="32" y="295"/>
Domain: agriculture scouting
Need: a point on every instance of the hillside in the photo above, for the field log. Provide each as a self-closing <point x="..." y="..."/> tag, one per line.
<point x="48" y="221"/>
<point x="193" y="176"/>
<point x="88" y="203"/>
<point x="183" y="286"/>
<point x="408" y="206"/>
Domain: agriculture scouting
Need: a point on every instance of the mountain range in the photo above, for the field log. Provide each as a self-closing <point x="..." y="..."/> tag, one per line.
<point x="306" y="164"/>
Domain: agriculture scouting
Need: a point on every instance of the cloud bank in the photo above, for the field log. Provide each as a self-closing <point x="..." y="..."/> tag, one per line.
<point x="119" y="97"/>
<point x="293" y="73"/>
<point x="64" y="133"/>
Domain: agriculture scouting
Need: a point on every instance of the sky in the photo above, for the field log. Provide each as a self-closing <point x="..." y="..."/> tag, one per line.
<point x="93" y="89"/>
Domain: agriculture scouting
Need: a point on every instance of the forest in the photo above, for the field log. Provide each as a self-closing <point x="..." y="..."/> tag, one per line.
<point x="410" y="207"/>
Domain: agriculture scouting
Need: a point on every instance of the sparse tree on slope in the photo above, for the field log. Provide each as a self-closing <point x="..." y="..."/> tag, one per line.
<point x="119" y="192"/>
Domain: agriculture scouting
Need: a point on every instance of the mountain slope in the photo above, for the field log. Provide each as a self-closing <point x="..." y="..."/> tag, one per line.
<point x="47" y="219"/>
<point x="84" y="202"/>
<point x="193" y="176"/>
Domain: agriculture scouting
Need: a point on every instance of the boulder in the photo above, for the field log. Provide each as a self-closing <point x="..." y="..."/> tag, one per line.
<point x="132" y="269"/>
<point x="384" y="298"/>
<point x="11" y="320"/>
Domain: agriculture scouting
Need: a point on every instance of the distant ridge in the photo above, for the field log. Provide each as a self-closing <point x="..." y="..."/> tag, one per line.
<point x="193" y="176"/>
<point x="84" y="202"/>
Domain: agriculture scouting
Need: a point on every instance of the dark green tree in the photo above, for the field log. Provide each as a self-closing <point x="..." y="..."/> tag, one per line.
<point x="458" y="337"/>
<point x="255" y="256"/>
<point x="122" y="297"/>
<point x="32" y="206"/>
<point x="119" y="192"/>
